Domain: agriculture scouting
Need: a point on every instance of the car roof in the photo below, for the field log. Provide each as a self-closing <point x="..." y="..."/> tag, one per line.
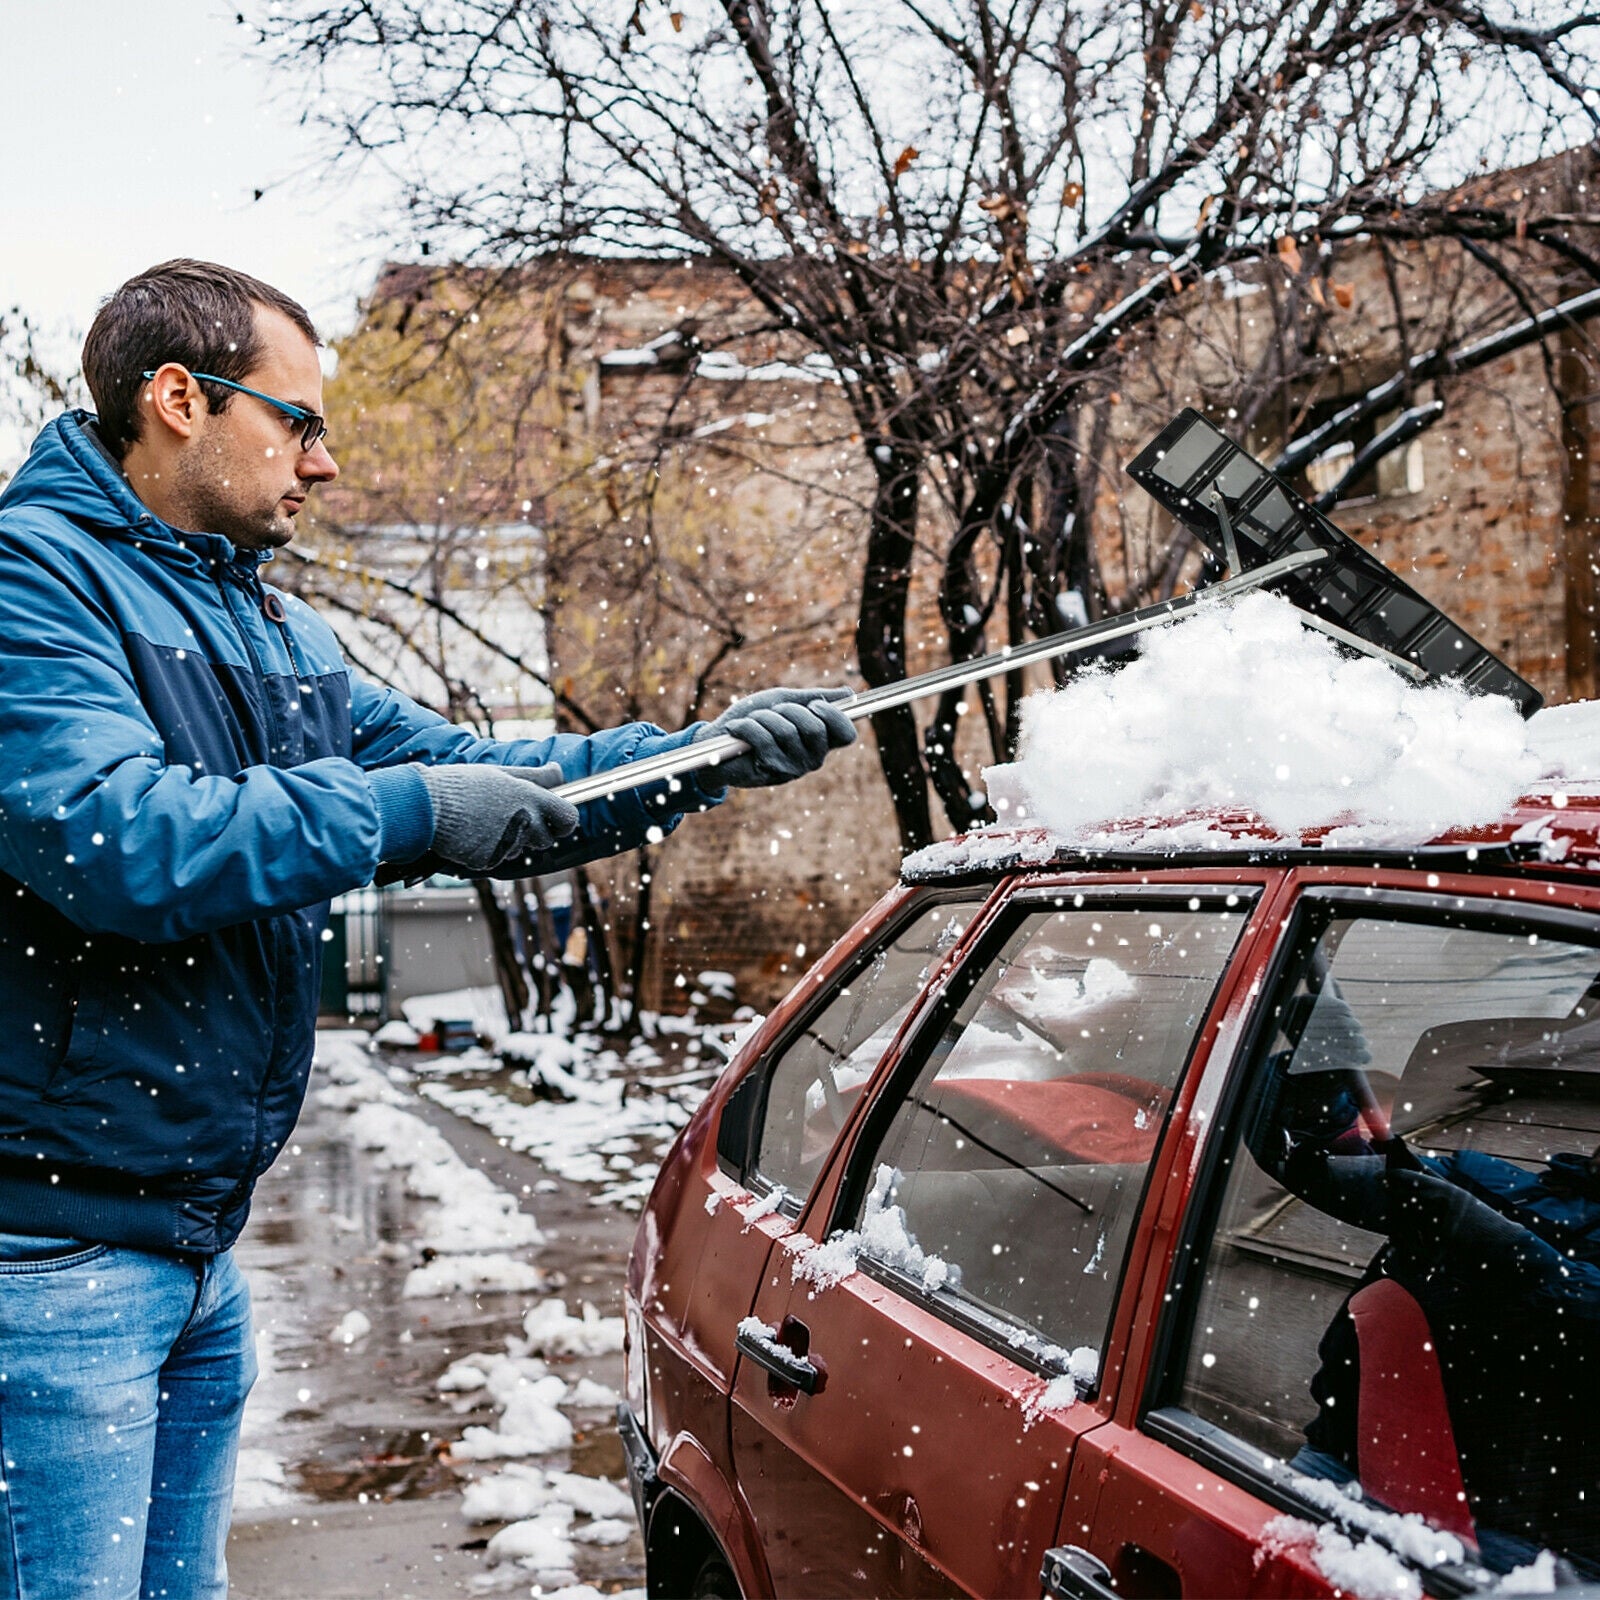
<point x="1551" y="830"/>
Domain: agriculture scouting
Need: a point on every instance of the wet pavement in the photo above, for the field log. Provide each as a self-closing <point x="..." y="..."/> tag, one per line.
<point x="346" y="1483"/>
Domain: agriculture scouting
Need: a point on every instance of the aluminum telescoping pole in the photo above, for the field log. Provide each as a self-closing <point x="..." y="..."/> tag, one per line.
<point x="723" y="747"/>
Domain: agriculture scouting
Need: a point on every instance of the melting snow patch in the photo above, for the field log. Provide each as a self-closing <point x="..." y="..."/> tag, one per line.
<point x="541" y="1543"/>
<point x="1538" y="1577"/>
<point x="1241" y="707"/>
<point x="884" y="1236"/>
<point x="461" y="1377"/>
<point x="566" y="1137"/>
<point x="471" y="1213"/>
<point x="258" y="1481"/>
<point x="605" y="1530"/>
<point x="588" y="1395"/>
<point x="530" y="1425"/>
<point x="353" y="1325"/>
<point x="519" y="1491"/>
<point x="483" y="1007"/>
<point x="399" y="1033"/>
<point x="1062" y="1391"/>
<point x="1364" y="1570"/>
<point x="488" y="1274"/>
<point x="551" y="1332"/>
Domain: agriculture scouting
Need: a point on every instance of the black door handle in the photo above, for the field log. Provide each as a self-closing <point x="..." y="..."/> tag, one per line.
<point x="798" y="1371"/>
<point x="1071" y="1573"/>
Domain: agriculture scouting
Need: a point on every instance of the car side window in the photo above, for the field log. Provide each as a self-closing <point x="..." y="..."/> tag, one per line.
<point x="1006" y="1182"/>
<point x="1401" y="1293"/>
<point x="819" y="1073"/>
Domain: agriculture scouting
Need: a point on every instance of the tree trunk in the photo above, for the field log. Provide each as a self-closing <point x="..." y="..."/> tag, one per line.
<point x="507" y="970"/>
<point x="881" y="639"/>
<point x="1019" y="527"/>
<point x="547" y="964"/>
<point x="599" y="953"/>
<point x="641" y="941"/>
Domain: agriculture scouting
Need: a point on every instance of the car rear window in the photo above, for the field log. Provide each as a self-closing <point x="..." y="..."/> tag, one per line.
<point x="1402" y="1290"/>
<point x="817" y="1074"/>
<point x="1007" y="1180"/>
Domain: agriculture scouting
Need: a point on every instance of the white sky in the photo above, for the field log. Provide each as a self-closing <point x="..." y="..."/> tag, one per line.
<point x="132" y="131"/>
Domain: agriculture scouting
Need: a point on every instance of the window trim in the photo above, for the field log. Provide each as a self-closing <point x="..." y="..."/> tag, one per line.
<point x="959" y="984"/>
<point x="1211" y="1446"/>
<point x="750" y="1094"/>
<point x="1161" y="1413"/>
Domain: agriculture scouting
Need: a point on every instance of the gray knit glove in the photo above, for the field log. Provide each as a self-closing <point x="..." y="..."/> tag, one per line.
<point x="486" y="816"/>
<point x="789" y="732"/>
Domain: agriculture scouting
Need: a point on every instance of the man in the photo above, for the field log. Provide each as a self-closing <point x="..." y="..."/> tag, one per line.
<point x="1502" y="1260"/>
<point x="188" y="773"/>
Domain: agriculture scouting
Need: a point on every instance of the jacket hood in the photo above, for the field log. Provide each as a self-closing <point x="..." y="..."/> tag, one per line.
<point x="70" y="473"/>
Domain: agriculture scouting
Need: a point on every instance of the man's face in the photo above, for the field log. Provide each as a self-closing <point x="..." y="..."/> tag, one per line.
<point x="243" y="473"/>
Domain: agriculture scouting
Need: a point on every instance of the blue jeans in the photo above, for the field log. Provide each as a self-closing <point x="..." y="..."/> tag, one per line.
<point x="123" y="1377"/>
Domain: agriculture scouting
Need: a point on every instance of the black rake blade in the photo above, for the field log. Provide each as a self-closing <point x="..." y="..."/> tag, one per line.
<point x="1247" y="515"/>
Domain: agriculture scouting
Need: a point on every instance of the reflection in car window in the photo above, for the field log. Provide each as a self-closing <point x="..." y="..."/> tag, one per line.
<point x="822" y="1070"/>
<point x="1009" y="1177"/>
<point x="1404" y="1285"/>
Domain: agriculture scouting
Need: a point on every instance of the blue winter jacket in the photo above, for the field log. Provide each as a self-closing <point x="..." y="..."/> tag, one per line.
<point x="183" y="787"/>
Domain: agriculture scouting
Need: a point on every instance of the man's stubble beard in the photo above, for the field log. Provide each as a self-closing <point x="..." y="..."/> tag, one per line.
<point x="211" y="504"/>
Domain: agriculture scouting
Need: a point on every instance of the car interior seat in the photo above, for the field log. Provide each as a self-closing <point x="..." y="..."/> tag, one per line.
<point x="1407" y="1454"/>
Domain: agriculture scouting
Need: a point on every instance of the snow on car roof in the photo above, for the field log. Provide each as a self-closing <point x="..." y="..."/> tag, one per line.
<point x="1241" y="734"/>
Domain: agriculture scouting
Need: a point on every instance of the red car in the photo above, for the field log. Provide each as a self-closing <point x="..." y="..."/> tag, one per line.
<point x="1218" y="1224"/>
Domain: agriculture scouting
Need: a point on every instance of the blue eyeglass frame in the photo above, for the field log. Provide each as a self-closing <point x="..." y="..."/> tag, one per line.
<point x="315" y="429"/>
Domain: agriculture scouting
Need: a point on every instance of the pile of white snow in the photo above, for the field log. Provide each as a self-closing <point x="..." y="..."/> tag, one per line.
<point x="530" y="1398"/>
<point x="550" y="1331"/>
<point x="592" y="1138"/>
<point x="470" y="1211"/>
<point x="1062" y="1391"/>
<point x="1241" y="708"/>
<point x="883" y="1234"/>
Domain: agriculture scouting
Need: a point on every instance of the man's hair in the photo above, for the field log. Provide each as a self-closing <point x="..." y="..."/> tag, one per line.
<point x="193" y="312"/>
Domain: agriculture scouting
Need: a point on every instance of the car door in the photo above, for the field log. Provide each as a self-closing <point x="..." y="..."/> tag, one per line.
<point x="722" y="1196"/>
<point x="924" y="1355"/>
<point x="1345" y="1392"/>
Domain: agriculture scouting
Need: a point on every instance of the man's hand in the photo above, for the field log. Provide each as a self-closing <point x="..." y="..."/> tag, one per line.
<point x="487" y="816"/>
<point x="789" y="732"/>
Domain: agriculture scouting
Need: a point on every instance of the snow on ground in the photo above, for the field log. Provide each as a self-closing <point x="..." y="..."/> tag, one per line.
<point x="593" y="1129"/>
<point x="1242" y="708"/>
<point x="483" y="1274"/>
<point x="472" y="1223"/>
<point x="482" y="1007"/>
<point x="469" y="1212"/>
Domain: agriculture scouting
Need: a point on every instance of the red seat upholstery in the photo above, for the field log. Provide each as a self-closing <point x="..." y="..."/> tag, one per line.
<point x="1407" y="1448"/>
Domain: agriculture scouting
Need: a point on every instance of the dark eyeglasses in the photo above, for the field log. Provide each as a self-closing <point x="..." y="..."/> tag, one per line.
<point x="313" y="429"/>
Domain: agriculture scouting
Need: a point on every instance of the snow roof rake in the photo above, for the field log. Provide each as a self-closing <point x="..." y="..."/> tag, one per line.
<point x="1269" y="538"/>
